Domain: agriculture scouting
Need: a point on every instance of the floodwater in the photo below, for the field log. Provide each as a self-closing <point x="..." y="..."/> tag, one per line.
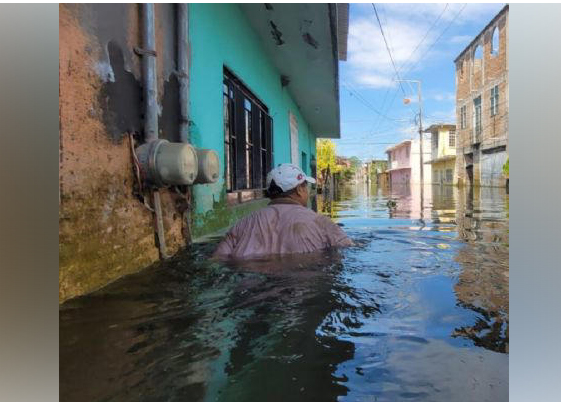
<point x="417" y="310"/>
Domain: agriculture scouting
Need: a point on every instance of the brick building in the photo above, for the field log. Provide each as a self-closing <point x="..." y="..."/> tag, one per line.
<point x="482" y="106"/>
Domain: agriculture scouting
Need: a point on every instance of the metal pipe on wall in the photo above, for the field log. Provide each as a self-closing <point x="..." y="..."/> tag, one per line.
<point x="183" y="69"/>
<point x="150" y="87"/>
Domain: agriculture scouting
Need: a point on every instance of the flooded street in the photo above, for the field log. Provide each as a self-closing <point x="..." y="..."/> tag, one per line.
<point x="417" y="310"/>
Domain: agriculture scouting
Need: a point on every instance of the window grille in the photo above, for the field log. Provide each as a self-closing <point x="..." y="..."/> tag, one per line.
<point x="248" y="137"/>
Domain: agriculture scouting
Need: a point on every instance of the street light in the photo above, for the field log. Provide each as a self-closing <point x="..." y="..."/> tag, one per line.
<point x="407" y="101"/>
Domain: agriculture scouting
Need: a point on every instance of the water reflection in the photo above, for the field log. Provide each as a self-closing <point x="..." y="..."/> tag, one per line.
<point x="417" y="310"/>
<point x="483" y="282"/>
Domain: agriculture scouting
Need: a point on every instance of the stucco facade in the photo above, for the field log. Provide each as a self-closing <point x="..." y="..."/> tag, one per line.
<point x="404" y="162"/>
<point x="482" y="106"/>
<point x="106" y="225"/>
<point x="443" y="153"/>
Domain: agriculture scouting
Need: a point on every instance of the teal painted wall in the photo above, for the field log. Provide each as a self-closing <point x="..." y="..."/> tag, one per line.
<point x="220" y="35"/>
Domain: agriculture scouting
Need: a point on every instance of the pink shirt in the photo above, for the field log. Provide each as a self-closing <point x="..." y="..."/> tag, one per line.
<point x="283" y="227"/>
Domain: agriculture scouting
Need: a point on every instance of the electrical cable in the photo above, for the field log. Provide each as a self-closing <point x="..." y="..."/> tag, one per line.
<point x="387" y="47"/>
<point x="411" y="55"/>
<point x="430" y="48"/>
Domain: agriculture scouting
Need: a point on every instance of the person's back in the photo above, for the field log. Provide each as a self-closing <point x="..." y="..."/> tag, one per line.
<point x="285" y="226"/>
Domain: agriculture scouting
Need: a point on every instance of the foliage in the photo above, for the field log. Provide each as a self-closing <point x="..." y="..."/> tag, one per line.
<point x="506" y="168"/>
<point x="326" y="155"/>
<point x="355" y="163"/>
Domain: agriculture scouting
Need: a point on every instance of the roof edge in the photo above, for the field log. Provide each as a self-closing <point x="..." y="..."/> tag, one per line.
<point x="495" y="18"/>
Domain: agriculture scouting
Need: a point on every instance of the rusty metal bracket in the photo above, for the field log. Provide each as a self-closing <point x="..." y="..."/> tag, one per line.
<point x="141" y="52"/>
<point x="180" y="74"/>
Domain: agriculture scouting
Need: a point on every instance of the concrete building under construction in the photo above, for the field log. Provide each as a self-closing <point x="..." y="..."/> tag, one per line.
<point x="482" y="106"/>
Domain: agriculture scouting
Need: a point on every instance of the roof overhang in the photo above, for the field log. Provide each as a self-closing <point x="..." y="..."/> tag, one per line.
<point x="442" y="126"/>
<point x="305" y="43"/>
<point x="401" y="144"/>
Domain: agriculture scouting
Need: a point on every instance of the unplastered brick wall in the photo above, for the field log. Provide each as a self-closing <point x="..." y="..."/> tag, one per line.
<point x="478" y="77"/>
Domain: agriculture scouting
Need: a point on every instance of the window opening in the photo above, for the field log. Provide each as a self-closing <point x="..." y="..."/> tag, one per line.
<point x="477" y="119"/>
<point x="495" y="42"/>
<point x="463" y="117"/>
<point x="452" y="139"/>
<point x="248" y="144"/>
<point x="477" y="58"/>
<point x="494" y="100"/>
<point x="305" y="162"/>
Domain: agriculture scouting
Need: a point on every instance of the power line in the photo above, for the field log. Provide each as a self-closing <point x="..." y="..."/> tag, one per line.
<point x="363" y="100"/>
<point x="440" y="36"/>
<point x="430" y="48"/>
<point x="387" y="47"/>
<point x="425" y="36"/>
<point x="412" y="53"/>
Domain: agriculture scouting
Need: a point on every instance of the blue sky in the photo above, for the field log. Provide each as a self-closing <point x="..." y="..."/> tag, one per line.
<point x="419" y="52"/>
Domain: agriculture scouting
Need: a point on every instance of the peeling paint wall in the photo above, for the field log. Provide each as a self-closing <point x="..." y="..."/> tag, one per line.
<point x="105" y="231"/>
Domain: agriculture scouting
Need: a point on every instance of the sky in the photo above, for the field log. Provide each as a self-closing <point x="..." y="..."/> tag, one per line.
<point x="424" y="40"/>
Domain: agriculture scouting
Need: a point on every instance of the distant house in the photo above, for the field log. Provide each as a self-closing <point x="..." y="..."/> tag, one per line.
<point x="404" y="162"/>
<point x="482" y="105"/>
<point x="343" y="162"/>
<point x="443" y="153"/>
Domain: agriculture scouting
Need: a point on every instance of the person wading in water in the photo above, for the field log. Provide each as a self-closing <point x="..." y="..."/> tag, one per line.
<point x="286" y="225"/>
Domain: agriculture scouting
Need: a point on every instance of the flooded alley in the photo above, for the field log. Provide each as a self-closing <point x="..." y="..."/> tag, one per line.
<point x="416" y="310"/>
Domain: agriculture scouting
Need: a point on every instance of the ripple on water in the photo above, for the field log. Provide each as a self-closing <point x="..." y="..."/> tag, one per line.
<point x="417" y="310"/>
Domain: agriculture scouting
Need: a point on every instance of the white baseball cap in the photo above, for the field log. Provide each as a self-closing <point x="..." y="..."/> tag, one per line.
<point x="287" y="176"/>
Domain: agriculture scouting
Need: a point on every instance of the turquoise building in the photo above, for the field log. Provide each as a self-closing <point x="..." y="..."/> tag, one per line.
<point x="256" y="83"/>
<point x="263" y="85"/>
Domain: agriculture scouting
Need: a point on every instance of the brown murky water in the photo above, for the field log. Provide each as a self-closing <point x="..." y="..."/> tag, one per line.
<point x="418" y="310"/>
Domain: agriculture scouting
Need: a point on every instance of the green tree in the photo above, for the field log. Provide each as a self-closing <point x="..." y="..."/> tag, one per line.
<point x="326" y="155"/>
<point x="355" y="162"/>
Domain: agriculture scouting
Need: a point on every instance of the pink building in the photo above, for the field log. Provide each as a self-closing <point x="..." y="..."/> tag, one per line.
<point x="404" y="162"/>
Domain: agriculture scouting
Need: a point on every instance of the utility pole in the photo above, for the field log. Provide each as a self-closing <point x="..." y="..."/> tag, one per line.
<point x="420" y="125"/>
<point x="418" y="82"/>
<point x="421" y="133"/>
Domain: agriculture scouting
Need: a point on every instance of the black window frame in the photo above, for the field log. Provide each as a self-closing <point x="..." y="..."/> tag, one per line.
<point x="248" y="139"/>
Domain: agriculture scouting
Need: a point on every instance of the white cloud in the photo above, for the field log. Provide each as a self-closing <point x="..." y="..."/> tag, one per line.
<point x="368" y="58"/>
<point x="442" y="96"/>
<point x="404" y="26"/>
<point x="441" y="117"/>
<point x="465" y="39"/>
<point x="374" y="80"/>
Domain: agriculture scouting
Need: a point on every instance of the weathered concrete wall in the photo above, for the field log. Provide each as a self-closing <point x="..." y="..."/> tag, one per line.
<point x="472" y="82"/>
<point x="105" y="231"/>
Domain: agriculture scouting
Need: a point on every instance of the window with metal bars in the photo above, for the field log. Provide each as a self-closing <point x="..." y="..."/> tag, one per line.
<point x="452" y="139"/>
<point x="248" y="137"/>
